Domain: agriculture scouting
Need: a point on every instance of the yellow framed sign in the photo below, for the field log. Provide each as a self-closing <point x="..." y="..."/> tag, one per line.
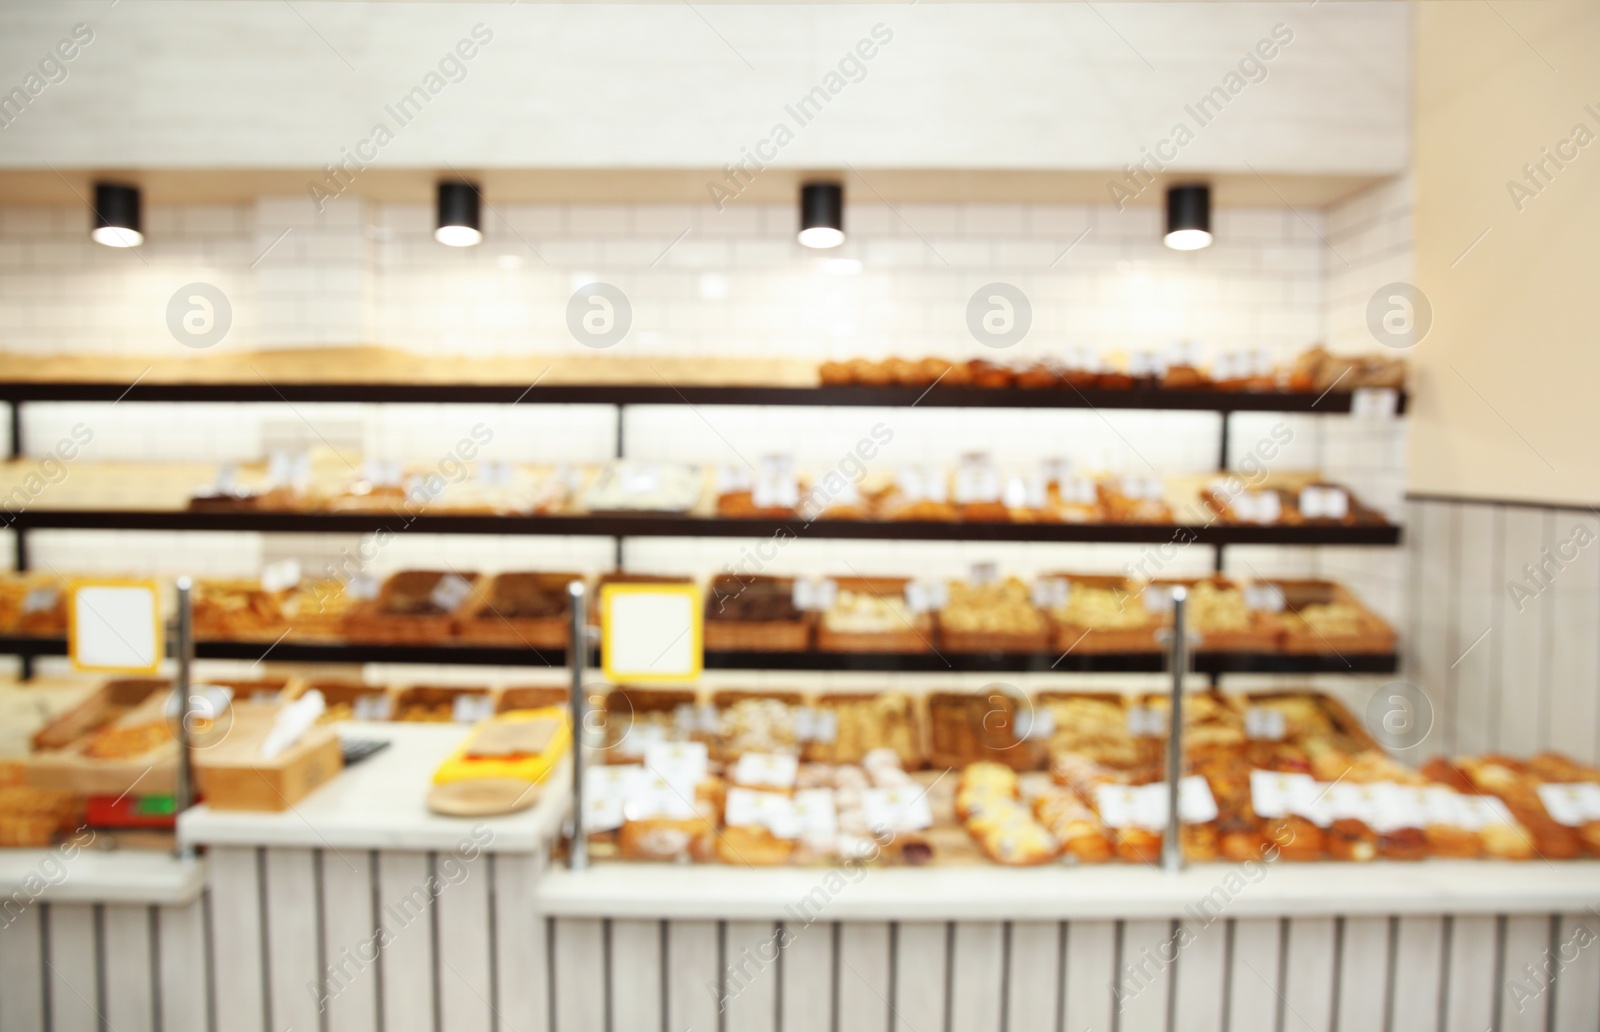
<point x="651" y="633"/>
<point x="115" y="626"/>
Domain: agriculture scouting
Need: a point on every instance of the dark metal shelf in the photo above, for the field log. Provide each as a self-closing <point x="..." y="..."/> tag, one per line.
<point x="655" y="525"/>
<point x="894" y="396"/>
<point x="919" y="662"/>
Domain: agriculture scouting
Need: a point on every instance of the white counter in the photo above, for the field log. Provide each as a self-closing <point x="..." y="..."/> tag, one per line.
<point x="1059" y="893"/>
<point x="99" y="876"/>
<point x="380" y="804"/>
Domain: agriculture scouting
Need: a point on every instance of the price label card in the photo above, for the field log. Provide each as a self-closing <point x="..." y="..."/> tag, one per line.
<point x="680" y="762"/>
<point x="1571" y="804"/>
<point x="1264" y="724"/>
<point x="377" y="706"/>
<point x="747" y="808"/>
<point x="1035" y="724"/>
<point x="616" y="780"/>
<point x="983" y="573"/>
<point x="450" y="592"/>
<point x="977" y="480"/>
<point x="776" y="486"/>
<point x="1475" y="812"/>
<point x="281" y="575"/>
<point x="818" y="813"/>
<point x="651" y="633"/>
<point x="1374" y="403"/>
<point x="925" y="596"/>
<point x="469" y="709"/>
<point x="363" y="587"/>
<point x="766" y="770"/>
<point x="1196" y="805"/>
<point x="1050" y="592"/>
<point x="1274" y="794"/>
<point x="1116" y="804"/>
<point x="1145" y="722"/>
<point x="897" y="808"/>
<point x="661" y="797"/>
<point x="115" y="626"/>
<point x="1264" y="597"/>
<point x="603" y="813"/>
<point x="815" y="596"/>
<point x="41" y="599"/>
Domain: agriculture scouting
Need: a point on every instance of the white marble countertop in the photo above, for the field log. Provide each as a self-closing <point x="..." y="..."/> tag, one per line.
<point x="380" y="804"/>
<point x="714" y="891"/>
<point x="92" y="875"/>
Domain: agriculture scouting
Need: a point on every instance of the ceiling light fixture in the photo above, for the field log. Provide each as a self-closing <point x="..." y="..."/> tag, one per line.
<point x="1188" y="217"/>
<point x="117" y="221"/>
<point x="459" y="217"/>
<point x="821" y="215"/>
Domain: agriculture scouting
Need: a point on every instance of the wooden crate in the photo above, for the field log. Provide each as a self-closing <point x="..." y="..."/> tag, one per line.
<point x="1260" y="636"/>
<point x="105" y="704"/>
<point x="916" y="638"/>
<point x="1105" y="640"/>
<point x="972" y="727"/>
<point x="436" y="697"/>
<point x="233" y="775"/>
<point x="71" y="769"/>
<point x="724" y="635"/>
<point x="1374" y="635"/>
<point x="483" y="624"/>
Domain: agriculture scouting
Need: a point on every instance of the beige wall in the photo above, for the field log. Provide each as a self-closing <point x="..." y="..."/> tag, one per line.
<point x="1506" y="380"/>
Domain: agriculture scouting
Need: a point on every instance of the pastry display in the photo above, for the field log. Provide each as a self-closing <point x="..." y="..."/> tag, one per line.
<point x="414" y="606"/>
<point x="533" y="610"/>
<point x="33" y="605"/>
<point x="756" y="613"/>
<point x="1099" y="614"/>
<point x="875" y="615"/>
<point x="996" y="616"/>
<point x="237" y="610"/>
<point x="847" y="727"/>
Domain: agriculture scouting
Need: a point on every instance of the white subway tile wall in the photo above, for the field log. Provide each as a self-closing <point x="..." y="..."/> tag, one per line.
<point x="703" y="282"/>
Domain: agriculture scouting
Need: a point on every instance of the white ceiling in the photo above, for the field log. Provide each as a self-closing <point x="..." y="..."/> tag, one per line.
<point x="262" y="85"/>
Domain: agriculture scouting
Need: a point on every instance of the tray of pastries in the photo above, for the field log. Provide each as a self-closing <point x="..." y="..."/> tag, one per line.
<point x="874" y="614"/>
<point x="528" y="609"/>
<point x="414" y="607"/>
<point x="993" y="725"/>
<point x="1096" y="614"/>
<point x="1219" y="611"/>
<point x="1320" y="616"/>
<point x="754" y="613"/>
<point x="997" y="615"/>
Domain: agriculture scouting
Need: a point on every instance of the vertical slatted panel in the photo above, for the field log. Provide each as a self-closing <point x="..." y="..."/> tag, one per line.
<point x="921" y="976"/>
<point x="130" y="1000"/>
<point x="1524" y="1003"/>
<point x="22" y="970"/>
<point x="750" y="973"/>
<point x="1520" y="723"/>
<point x="520" y="944"/>
<point x="292" y="947"/>
<point x="349" y="982"/>
<point x="73" y="977"/>
<point x="636" y="975"/>
<point x="1147" y="948"/>
<point x="405" y="912"/>
<point x="1034" y="991"/>
<point x="1475" y="678"/>
<point x="864" y="989"/>
<point x="1571" y="617"/>
<point x="1308" y="974"/>
<point x="693" y="978"/>
<point x="1474" y="952"/>
<point x="1091" y="972"/>
<point x="1418" y="972"/>
<point x="807" y="969"/>
<point x="580" y="973"/>
<point x="1577" y="1002"/>
<point x="1253" y="981"/>
<point x="1432" y="624"/>
<point x="977" y="976"/>
<point x="185" y="968"/>
<point x="1201" y="976"/>
<point x="239" y="938"/>
<point x="462" y="913"/>
<point x="1363" y="989"/>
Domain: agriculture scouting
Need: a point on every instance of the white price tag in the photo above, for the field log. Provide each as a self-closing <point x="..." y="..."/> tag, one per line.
<point x="1572" y="804"/>
<point x="1157" y="598"/>
<point x="1196" y="805"/>
<point x="661" y="796"/>
<point x="1475" y="812"/>
<point x="1145" y="722"/>
<point x="1264" y="724"/>
<point x="1050" y="592"/>
<point x="766" y="770"/>
<point x="41" y="600"/>
<point x="450" y="592"/>
<point x="469" y="709"/>
<point x="678" y="761"/>
<point x="1116" y="804"/>
<point x="775" y="485"/>
<point x="603" y="813"/>
<point x="1324" y="503"/>
<point x="1264" y="597"/>
<point x="1035" y="724"/>
<point x="363" y="587"/>
<point x="816" y="724"/>
<point x="926" y="596"/>
<point x="750" y="809"/>
<point x="1374" y="403"/>
<point x="817" y="812"/>
<point x="376" y="706"/>
<point x="1274" y="794"/>
<point x="977" y="480"/>
<point x="814" y="596"/>
<point x="639" y="739"/>
<point x="617" y="781"/>
<point x="281" y="575"/>
<point x="983" y="573"/>
<point x="897" y="808"/>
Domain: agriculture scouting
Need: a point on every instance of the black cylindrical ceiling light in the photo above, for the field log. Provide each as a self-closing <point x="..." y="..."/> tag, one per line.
<point x="1188" y="217"/>
<point x="117" y="221"/>
<point x="821" y="215"/>
<point x="459" y="222"/>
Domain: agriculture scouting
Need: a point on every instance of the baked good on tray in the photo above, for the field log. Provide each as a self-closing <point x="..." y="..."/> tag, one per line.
<point x="237" y="610"/>
<point x="414" y="607"/>
<point x="754" y="613"/>
<point x="530" y="609"/>
<point x="998" y="616"/>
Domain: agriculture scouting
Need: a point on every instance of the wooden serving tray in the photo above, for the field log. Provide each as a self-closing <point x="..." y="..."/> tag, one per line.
<point x="1374" y="636"/>
<point x="1104" y="640"/>
<point x="371" y="621"/>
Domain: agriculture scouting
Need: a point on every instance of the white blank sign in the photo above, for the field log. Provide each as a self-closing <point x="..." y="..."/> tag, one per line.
<point x="651" y="635"/>
<point x="116" y="627"/>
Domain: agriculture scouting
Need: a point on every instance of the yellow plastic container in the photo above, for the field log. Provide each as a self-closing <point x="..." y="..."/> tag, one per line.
<point x="530" y="767"/>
